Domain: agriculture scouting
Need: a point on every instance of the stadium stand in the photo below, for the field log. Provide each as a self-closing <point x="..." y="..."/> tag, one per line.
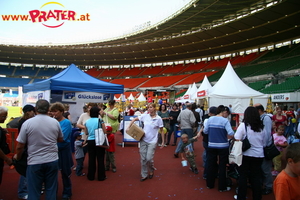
<point x="13" y="82"/>
<point x="259" y="85"/>
<point x="217" y="64"/>
<point x="244" y="59"/>
<point x="194" y="78"/>
<point x="130" y="83"/>
<point x="152" y="71"/>
<point x="114" y="72"/>
<point x="131" y="72"/>
<point x="48" y="72"/>
<point x="195" y="67"/>
<point x="93" y="72"/>
<point x="165" y="81"/>
<point x="173" y="69"/>
<point x="291" y="84"/>
<point x="7" y="70"/>
<point x="26" y="71"/>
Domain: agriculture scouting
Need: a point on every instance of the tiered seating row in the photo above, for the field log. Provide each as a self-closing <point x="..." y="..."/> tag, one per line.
<point x="258" y="85"/>
<point x="290" y="85"/>
<point x="13" y="82"/>
<point x="130" y="83"/>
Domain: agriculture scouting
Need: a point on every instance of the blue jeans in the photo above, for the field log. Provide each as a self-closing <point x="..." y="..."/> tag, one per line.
<point x="22" y="187"/>
<point x="189" y="132"/>
<point x="42" y="173"/>
<point x="79" y="166"/>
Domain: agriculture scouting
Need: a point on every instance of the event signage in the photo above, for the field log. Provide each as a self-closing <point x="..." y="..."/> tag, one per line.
<point x="281" y="97"/>
<point x="85" y="97"/>
<point x="201" y="93"/>
<point x="186" y="96"/>
<point x="33" y="97"/>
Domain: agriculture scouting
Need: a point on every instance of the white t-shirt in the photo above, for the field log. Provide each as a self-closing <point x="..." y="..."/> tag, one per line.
<point x="257" y="140"/>
<point x="82" y="119"/>
<point x="151" y="127"/>
<point x="40" y="133"/>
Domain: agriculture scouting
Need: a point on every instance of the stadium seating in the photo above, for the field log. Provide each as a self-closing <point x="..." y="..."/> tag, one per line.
<point x="194" y="78"/>
<point x="244" y="59"/>
<point x="13" y="82"/>
<point x="26" y="71"/>
<point x="48" y="72"/>
<point x="259" y="85"/>
<point x="165" y="81"/>
<point x="152" y="71"/>
<point x="7" y="70"/>
<point x="93" y="72"/>
<point x="131" y="72"/>
<point x="195" y="67"/>
<point x="217" y="64"/>
<point x="130" y="83"/>
<point x="114" y="72"/>
<point x="291" y="84"/>
<point x="173" y="69"/>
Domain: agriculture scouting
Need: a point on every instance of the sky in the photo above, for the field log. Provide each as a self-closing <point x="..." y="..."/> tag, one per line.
<point x="103" y="19"/>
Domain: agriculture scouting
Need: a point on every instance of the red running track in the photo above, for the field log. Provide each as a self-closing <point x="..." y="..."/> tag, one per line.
<point x="170" y="181"/>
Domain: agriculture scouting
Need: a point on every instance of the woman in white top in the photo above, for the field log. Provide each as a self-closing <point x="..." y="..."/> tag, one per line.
<point x="252" y="126"/>
<point x="152" y="123"/>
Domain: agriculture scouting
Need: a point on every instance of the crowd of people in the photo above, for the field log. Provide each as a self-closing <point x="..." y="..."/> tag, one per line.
<point x="47" y="148"/>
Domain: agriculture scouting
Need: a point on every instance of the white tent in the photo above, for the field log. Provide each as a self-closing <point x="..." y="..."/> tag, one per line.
<point x="190" y="95"/>
<point x="130" y="98"/>
<point x="204" y="88"/>
<point x="141" y="98"/>
<point x="230" y="89"/>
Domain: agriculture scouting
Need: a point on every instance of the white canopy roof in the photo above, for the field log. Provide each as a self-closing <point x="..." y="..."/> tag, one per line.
<point x="131" y="98"/>
<point x="141" y="97"/>
<point x="205" y="85"/>
<point x="231" y="86"/>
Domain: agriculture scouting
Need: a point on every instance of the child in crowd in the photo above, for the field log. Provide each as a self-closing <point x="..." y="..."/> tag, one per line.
<point x="286" y="184"/>
<point x="110" y="152"/>
<point x="79" y="155"/>
<point x="187" y="150"/>
<point x="280" y="142"/>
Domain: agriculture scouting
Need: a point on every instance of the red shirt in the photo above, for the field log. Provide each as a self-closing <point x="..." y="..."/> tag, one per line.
<point x="279" y="121"/>
<point x="111" y="140"/>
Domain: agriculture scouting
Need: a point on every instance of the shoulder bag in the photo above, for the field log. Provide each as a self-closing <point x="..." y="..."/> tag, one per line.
<point x="246" y="143"/>
<point x="271" y="151"/>
<point x="100" y="137"/>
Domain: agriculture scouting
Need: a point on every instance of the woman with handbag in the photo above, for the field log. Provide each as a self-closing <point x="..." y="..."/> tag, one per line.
<point x="111" y="115"/>
<point x="96" y="153"/>
<point x="252" y="128"/>
<point x="174" y="113"/>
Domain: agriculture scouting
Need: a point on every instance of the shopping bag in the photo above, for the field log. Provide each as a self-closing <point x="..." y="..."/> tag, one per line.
<point x="99" y="136"/>
<point x="236" y="153"/>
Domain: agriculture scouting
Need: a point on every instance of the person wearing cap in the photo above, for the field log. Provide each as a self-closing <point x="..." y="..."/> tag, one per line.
<point x="79" y="154"/>
<point x="110" y="152"/>
<point x="28" y="112"/>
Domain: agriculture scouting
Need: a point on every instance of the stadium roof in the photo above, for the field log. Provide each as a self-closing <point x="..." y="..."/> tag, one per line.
<point x="204" y="28"/>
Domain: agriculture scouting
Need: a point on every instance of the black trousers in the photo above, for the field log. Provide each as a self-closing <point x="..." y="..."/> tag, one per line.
<point x="213" y="155"/>
<point x="250" y="166"/>
<point x="96" y="161"/>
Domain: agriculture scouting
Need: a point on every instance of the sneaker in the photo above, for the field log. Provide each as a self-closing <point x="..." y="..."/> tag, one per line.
<point x="159" y="145"/>
<point x="275" y="173"/>
<point x="191" y="169"/>
<point x="83" y="174"/>
<point x="74" y="169"/>
<point x="176" y="155"/>
<point x="114" y="170"/>
<point x="24" y="197"/>
<point x="235" y="196"/>
<point x="226" y="190"/>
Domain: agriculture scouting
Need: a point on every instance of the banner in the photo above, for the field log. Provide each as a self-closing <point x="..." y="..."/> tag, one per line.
<point x="85" y="97"/>
<point x="281" y="97"/>
<point x="201" y="93"/>
<point x="32" y="97"/>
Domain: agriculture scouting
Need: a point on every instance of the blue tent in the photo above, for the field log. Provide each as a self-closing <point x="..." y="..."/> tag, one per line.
<point x="73" y="79"/>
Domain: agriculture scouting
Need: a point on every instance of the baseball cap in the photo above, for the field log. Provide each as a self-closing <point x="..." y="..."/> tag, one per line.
<point x="77" y="133"/>
<point x="109" y="129"/>
<point x="28" y="108"/>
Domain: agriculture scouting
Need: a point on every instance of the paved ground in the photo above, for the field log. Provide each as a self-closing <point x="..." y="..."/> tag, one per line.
<point x="171" y="180"/>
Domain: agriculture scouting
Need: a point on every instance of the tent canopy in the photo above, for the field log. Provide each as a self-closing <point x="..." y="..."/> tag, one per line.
<point x="205" y="85"/>
<point x="73" y="79"/>
<point x="231" y="86"/>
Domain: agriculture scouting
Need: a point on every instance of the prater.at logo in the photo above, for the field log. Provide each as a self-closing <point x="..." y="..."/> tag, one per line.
<point x="59" y="15"/>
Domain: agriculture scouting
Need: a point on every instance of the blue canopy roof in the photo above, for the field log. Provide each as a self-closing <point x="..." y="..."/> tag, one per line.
<point x="73" y="79"/>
